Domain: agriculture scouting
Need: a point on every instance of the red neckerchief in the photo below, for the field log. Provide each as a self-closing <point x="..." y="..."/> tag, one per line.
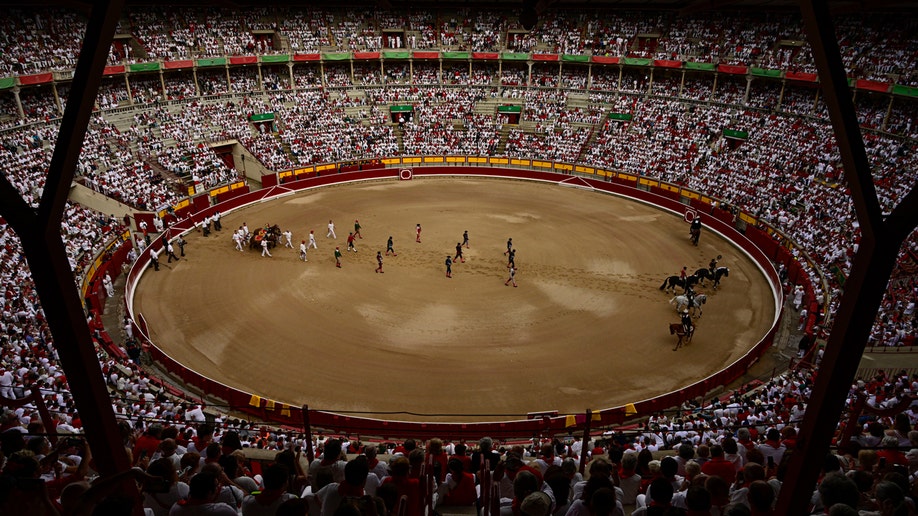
<point x="773" y="444"/>
<point x="372" y="463"/>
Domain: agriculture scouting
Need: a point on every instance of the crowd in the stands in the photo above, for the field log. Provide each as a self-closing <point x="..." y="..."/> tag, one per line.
<point x="876" y="46"/>
<point x="786" y="172"/>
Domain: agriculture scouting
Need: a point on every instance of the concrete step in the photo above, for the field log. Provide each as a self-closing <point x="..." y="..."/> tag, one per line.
<point x="99" y="202"/>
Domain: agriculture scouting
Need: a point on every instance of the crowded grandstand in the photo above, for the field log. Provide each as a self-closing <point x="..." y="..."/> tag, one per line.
<point x="726" y="104"/>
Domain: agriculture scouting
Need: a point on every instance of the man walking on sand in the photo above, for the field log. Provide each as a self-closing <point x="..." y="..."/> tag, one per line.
<point x="418" y="239"/>
<point x="357" y="229"/>
<point x="303" y="251"/>
<point x="350" y="242"/>
<point x="312" y="240"/>
<point x="379" y="261"/>
<point x="459" y="253"/>
<point x="264" y="248"/>
<point x="512" y="278"/>
<point x="331" y="230"/>
<point x="337" y="257"/>
<point x="449" y="267"/>
<point x="509" y="246"/>
<point x="389" y="248"/>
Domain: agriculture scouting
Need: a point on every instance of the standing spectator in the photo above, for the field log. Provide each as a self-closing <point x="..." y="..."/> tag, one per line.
<point x="109" y="287"/>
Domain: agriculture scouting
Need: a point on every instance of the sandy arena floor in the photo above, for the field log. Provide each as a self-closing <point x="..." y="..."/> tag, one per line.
<point x="587" y="327"/>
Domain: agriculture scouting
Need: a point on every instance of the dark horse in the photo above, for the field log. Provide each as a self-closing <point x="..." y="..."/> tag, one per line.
<point x="684" y="337"/>
<point x="719" y="272"/>
<point x="673" y="281"/>
<point x="703" y="274"/>
<point x="272" y="234"/>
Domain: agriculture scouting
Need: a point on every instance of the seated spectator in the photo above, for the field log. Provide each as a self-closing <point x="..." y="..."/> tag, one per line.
<point x="202" y="495"/>
<point x="266" y="501"/>
<point x="159" y="496"/>
<point x="459" y="488"/>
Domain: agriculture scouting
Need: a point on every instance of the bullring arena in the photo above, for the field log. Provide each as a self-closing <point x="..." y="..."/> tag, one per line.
<point x="588" y="325"/>
<point x="590" y="136"/>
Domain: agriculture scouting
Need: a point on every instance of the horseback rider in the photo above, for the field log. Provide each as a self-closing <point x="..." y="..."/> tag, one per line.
<point x="687" y="322"/>
<point x="690" y="295"/>
<point x="695" y="229"/>
<point x="713" y="265"/>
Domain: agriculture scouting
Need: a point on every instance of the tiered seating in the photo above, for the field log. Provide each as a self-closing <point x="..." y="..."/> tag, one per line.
<point x="785" y="173"/>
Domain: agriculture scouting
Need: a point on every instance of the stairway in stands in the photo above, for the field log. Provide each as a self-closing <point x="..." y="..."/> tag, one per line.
<point x="399" y="138"/>
<point x="502" y="141"/>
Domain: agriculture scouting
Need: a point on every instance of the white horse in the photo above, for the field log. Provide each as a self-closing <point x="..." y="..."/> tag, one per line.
<point x="682" y="302"/>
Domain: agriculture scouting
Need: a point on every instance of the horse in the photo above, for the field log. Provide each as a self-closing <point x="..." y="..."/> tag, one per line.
<point x="696" y="233"/>
<point x="718" y="273"/>
<point x="672" y="281"/>
<point x="684" y="337"/>
<point x="682" y="302"/>
<point x="272" y="234"/>
<point x="703" y="274"/>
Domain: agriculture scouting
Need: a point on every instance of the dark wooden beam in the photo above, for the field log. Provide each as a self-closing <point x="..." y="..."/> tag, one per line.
<point x="40" y="234"/>
<point x="865" y="287"/>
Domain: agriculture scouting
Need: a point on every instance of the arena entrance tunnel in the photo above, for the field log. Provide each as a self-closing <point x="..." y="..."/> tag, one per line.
<point x="226" y="354"/>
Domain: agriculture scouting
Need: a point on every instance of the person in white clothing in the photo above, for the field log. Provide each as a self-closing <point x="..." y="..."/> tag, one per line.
<point x="109" y="286"/>
<point x="312" y="240"/>
<point x="237" y="238"/>
<point x="798" y="297"/>
<point x="202" y="495"/>
<point x="264" y="247"/>
<point x="288" y="236"/>
<point x="303" y="248"/>
<point x="331" y="230"/>
<point x="6" y="383"/>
